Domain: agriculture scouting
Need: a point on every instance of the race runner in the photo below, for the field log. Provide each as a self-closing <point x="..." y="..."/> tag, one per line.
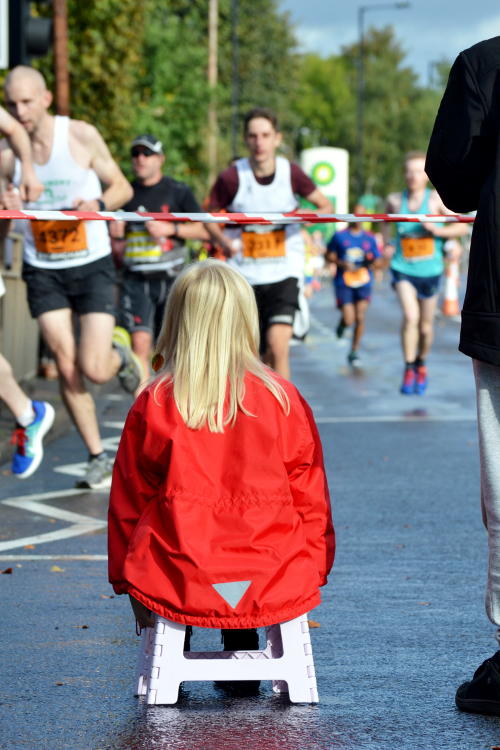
<point x="417" y="264"/>
<point x="67" y="265"/>
<point x="270" y="257"/>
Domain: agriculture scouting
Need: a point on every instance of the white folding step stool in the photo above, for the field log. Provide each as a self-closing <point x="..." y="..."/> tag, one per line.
<point x="287" y="660"/>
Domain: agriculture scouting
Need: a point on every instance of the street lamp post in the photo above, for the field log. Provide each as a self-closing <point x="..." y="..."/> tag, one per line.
<point x="362" y="9"/>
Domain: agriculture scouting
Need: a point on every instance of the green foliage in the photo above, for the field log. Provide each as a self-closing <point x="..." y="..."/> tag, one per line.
<point x="142" y="67"/>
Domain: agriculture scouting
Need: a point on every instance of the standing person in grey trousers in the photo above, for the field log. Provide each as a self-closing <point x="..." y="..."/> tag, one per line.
<point x="463" y="162"/>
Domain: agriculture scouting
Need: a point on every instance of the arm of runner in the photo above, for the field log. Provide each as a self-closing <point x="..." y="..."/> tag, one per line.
<point x="446" y="231"/>
<point x="30" y="188"/>
<point x="118" y="190"/>
<point x="392" y="206"/>
<point x="189" y="230"/>
<point x="322" y="203"/>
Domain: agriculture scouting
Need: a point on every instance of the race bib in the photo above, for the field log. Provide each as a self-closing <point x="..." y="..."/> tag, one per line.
<point x="59" y="238"/>
<point x="417" y="248"/>
<point x="264" y="245"/>
<point x="353" y="279"/>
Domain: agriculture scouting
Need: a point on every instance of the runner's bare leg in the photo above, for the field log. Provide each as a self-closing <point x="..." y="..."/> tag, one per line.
<point x="278" y="348"/>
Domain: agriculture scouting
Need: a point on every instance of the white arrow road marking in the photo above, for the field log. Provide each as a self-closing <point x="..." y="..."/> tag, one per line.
<point x="108" y="444"/>
<point x="34" y="504"/>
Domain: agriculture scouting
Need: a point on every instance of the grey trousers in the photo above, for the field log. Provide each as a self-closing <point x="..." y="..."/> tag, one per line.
<point x="488" y="419"/>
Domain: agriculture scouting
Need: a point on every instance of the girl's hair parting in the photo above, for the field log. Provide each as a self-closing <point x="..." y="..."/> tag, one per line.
<point x="208" y="341"/>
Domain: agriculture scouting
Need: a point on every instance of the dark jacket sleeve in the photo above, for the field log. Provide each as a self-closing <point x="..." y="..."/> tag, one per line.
<point x="459" y="156"/>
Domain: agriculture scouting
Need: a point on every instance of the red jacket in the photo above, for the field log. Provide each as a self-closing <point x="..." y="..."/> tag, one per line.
<point x="228" y="529"/>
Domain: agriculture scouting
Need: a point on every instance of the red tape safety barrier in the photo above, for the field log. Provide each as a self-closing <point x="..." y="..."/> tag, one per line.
<point x="298" y="217"/>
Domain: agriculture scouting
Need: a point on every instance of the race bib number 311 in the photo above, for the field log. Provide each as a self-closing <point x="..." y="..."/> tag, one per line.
<point x="263" y="245"/>
<point x="59" y="238"/>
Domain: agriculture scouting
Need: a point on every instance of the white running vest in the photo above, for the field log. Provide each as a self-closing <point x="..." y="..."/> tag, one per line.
<point x="63" y="244"/>
<point x="268" y="253"/>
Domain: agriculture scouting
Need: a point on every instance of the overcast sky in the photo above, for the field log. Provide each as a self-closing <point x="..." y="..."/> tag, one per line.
<point x="428" y="30"/>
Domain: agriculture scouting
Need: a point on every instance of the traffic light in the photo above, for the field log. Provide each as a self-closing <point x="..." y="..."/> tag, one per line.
<point x="29" y="36"/>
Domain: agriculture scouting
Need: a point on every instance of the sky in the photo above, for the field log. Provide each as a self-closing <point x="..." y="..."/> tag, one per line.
<point x="429" y="30"/>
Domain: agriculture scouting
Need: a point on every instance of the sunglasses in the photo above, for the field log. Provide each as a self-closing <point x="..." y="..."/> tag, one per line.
<point x="135" y="152"/>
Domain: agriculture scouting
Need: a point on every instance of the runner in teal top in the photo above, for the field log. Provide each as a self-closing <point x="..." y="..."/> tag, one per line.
<point x="417" y="252"/>
<point x="417" y="263"/>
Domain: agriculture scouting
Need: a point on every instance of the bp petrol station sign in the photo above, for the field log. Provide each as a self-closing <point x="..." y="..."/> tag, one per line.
<point x="328" y="168"/>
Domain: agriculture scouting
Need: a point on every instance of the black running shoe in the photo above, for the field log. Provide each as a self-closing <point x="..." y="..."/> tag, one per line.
<point x="482" y="694"/>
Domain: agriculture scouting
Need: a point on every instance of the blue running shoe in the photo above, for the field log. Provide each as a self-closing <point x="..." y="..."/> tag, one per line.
<point x="29" y="440"/>
<point x="421" y="380"/>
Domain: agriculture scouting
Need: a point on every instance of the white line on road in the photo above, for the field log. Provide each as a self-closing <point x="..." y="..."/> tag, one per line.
<point x="26" y="558"/>
<point x="398" y="418"/>
<point x="33" y="503"/>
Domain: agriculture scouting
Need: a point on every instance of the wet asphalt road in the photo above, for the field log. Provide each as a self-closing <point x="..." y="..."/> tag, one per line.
<point x="402" y="621"/>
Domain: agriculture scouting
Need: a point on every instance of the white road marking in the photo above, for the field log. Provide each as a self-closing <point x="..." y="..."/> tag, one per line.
<point x="398" y="418"/>
<point x="80" y="524"/>
<point x="69" y="558"/>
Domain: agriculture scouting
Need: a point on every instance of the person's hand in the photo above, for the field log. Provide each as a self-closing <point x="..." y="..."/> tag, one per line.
<point x="142" y="614"/>
<point x="160" y="229"/>
<point x="83" y="205"/>
<point x="431" y="228"/>
<point x="11" y="199"/>
<point x="30" y="188"/>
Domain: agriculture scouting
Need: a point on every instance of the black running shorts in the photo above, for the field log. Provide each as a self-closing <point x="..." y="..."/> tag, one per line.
<point x="84" y="289"/>
<point x="276" y="304"/>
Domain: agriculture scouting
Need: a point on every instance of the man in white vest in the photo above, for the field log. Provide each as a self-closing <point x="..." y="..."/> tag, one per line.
<point x="67" y="265"/>
<point x="270" y="257"/>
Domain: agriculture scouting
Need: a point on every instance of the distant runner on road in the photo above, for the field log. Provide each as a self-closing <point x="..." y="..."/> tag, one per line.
<point x="355" y="253"/>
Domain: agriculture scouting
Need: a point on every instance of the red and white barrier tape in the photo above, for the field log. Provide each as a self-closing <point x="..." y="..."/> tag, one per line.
<point x="299" y="217"/>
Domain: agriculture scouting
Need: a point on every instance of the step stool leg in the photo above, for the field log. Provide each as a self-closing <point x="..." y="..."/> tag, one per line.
<point x="165" y="674"/>
<point x="275" y="648"/>
<point x="297" y="650"/>
<point x="143" y="660"/>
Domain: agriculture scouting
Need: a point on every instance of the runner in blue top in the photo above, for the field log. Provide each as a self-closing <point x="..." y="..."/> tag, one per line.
<point x="354" y="251"/>
<point x="417" y="264"/>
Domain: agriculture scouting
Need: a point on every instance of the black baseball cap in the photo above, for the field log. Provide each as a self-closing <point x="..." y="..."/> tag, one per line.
<point x="149" y="141"/>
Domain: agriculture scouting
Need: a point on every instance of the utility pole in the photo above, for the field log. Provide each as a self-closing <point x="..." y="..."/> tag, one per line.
<point x="61" y="56"/>
<point x="235" y="77"/>
<point x="213" y="14"/>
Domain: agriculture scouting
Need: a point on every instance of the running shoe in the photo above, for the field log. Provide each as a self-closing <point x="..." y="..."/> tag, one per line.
<point x="408" y="384"/>
<point x="29" y="440"/>
<point x="131" y="372"/>
<point x="481" y="695"/>
<point x="421" y="380"/>
<point x="97" y="473"/>
<point x="340" y="330"/>
<point x="354" y="359"/>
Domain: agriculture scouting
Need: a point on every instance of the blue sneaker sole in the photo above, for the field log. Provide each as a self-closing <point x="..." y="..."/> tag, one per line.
<point x="46" y="424"/>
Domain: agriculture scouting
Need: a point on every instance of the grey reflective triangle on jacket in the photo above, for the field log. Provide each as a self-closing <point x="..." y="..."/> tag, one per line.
<point x="232" y="592"/>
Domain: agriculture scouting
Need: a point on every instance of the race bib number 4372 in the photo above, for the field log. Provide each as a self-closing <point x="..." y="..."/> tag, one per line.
<point x="59" y="238"/>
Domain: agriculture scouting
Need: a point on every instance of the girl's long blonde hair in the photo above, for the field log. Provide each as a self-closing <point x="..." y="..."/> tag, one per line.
<point x="209" y="340"/>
